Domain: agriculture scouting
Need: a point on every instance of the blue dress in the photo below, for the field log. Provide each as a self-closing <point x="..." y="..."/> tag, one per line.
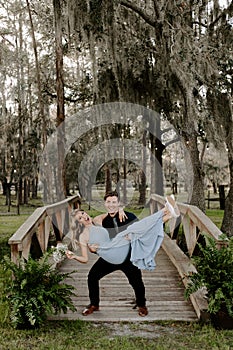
<point x="146" y="237"/>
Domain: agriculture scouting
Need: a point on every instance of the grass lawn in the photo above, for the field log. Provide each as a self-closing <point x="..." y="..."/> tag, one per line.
<point x="82" y="335"/>
<point x="216" y="215"/>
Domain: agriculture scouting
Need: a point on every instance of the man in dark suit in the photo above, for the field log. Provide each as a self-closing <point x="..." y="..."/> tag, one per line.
<point x="114" y="224"/>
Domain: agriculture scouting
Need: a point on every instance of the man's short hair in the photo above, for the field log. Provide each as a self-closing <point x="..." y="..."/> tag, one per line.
<point x="111" y="194"/>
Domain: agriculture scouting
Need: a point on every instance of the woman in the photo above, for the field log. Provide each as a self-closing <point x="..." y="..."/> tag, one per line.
<point x="144" y="236"/>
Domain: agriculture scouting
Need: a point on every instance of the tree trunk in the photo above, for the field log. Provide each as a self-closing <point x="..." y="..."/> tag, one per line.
<point x="8" y="196"/>
<point x="34" y="187"/>
<point x="40" y="99"/>
<point x="227" y="225"/>
<point x="220" y="105"/>
<point x="198" y="194"/>
<point x="124" y="181"/>
<point x="61" y="187"/>
<point x="108" y="181"/>
<point x="25" y="191"/>
<point x="156" y="165"/>
<point x="142" y="180"/>
<point x="118" y="178"/>
<point x="46" y="177"/>
<point x="21" y="109"/>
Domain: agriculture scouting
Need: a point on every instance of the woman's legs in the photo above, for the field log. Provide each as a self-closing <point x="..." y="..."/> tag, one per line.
<point x="142" y="226"/>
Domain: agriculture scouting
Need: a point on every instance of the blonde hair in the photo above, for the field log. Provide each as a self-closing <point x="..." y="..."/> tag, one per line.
<point x="76" y="229"/>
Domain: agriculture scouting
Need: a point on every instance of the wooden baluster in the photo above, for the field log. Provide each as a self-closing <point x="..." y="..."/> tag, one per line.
<point x="59" y="224"/>
<point x="190" y="232"/>
<point x="41" y="236"/>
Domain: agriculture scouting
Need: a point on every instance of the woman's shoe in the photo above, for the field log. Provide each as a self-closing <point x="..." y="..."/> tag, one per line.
<point x="172" y="206"/>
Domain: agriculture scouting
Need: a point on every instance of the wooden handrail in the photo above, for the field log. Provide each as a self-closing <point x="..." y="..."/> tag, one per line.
<point x="39" y="225"/>
<point x="194" y="222"/>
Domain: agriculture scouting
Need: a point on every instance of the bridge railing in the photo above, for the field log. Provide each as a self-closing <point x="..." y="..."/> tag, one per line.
<point x="32" y="238"/>
<point x="194" y="223"/>
<point x="193" y="220"/>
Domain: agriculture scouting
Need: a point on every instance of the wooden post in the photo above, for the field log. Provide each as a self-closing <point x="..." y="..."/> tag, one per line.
<point x="221" y="196"/>
<point x="152" y="206"/>
<point x="15" y="253"/>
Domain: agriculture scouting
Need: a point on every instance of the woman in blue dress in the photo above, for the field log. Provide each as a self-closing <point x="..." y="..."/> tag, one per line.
<point x="145" y="238"/>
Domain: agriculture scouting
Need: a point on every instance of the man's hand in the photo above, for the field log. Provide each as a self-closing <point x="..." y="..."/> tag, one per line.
<point x="122" y="215"/>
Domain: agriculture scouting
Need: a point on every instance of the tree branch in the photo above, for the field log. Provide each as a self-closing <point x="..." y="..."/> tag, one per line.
<point x="156" y="7"/>
<point x="67" y="98"/>
<point x="176" y="139"/>
<point x="166" y="130"/>
<point x="148" y="19"/>
<point x="226" y="11"/>
<point x="200" y="24"/>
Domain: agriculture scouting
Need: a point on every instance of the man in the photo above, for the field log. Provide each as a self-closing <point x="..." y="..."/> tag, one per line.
<point x="112" y="222"/>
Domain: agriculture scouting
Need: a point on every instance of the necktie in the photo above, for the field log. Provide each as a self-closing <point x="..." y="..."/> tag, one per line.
<point x="115" y="225"/>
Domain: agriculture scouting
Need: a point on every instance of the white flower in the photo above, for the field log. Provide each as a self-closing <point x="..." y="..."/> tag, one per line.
<point x="59" y="252"/>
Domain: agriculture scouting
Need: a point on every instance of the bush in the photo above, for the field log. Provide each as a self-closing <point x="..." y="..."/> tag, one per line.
<point x="35" y="291"/>
<point x="215" y="273"/>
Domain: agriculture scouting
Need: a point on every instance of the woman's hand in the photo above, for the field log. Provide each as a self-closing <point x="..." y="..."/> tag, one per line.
<point x="93" y="247"/>
<point x="80" y="258"/>
<point x="70" y="255"/>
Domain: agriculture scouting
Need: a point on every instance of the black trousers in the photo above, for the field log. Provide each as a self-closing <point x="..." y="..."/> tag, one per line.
<point x="102" y="268"/>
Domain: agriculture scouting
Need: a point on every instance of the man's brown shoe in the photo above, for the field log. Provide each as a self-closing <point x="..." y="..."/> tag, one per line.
<point x="90" y="309"/>
<point x="142" y="311"/>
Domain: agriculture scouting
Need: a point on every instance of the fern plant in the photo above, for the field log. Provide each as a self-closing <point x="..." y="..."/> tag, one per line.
<point x="35" y="291"/>
<point x="214" y="272"/>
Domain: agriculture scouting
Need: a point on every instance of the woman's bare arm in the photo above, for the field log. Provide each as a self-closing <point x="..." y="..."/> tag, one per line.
<point x="83" y="258"/>
<point x="99" y="218"/>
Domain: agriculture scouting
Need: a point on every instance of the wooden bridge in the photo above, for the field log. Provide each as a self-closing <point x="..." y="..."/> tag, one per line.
<point x="164" y="287"/>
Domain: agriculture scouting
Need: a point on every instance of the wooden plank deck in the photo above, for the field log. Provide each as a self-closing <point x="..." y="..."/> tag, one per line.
<point x="164" y="294"/>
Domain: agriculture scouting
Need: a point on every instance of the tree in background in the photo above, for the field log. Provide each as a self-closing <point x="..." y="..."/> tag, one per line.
<point x="172" y="58"/>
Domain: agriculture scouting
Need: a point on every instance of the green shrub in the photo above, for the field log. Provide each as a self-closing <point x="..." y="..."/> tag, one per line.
<point x="214" y="272"/>
<point x="35" y="291"/>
